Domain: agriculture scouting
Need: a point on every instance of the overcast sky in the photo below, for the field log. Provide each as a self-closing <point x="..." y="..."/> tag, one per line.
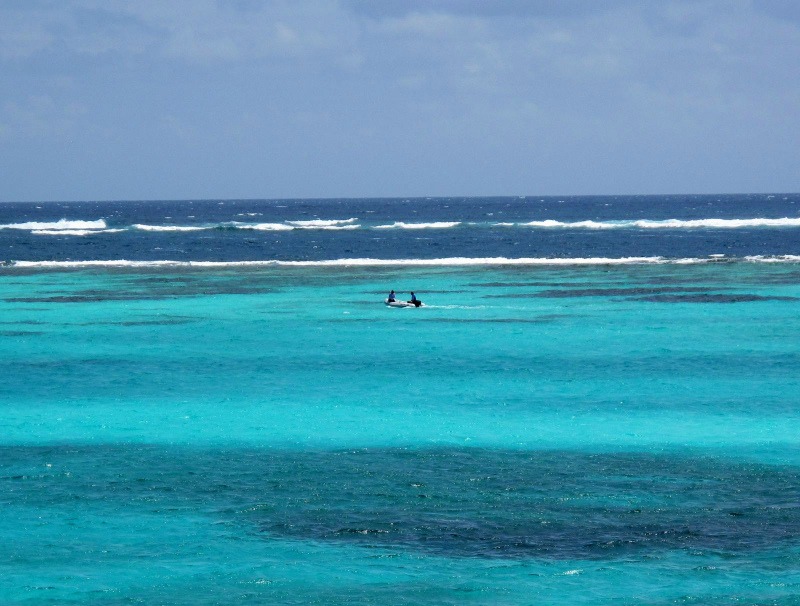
<point x="174" y="99"/>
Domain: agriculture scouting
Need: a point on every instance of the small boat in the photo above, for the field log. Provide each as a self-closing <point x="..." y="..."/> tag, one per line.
<point x="397" y="303"/>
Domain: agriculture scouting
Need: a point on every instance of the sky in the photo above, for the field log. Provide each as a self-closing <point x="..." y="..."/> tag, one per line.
<point x="232" y="99"/>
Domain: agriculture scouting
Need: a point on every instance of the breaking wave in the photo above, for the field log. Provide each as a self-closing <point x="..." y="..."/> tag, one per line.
<point x="441" y="262"/>
<point x="661" y="224"/>
<point x="325" y="224"/>
<point x="60" y="225"/>
<point x="265" y="226"/>
<point x="68" y="227"/>
<point x="141" y="227"/>
<point x="73" y="232"/>
<point x="435" y="225"/>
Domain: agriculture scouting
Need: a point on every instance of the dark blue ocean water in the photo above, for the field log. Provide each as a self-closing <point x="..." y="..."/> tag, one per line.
<point x="231" y="230"/>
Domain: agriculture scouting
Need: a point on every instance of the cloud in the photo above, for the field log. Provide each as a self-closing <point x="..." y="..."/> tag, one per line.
<point x="564" y="9"/>
<point x="200" y="30"/>
<point x="614" y="61"/>
<point x="206" y="30"/>
<point x="465" y="42"/>
<point x="483" y="91"/>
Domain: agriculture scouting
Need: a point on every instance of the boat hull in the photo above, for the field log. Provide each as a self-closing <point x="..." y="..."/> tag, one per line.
<point x="403" y="303"/>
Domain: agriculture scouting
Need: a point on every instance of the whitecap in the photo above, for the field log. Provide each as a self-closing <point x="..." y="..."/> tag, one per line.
<point x="61" y="224"/>
<point x="718" y="223"/>
<point x="333" y="227"/>
<point x="322" y="223"/>
<point x="142" y="227"/>
<point x="353" y="262"/>
<point x="266" y="226"/>
<point x="663" y="223"/>
<point x="550" y="223"/>
<point x="773" y="259"/>
<point x="72" y="232"/>
<point x="441" y="262"/>
<point x="434" y="225"/>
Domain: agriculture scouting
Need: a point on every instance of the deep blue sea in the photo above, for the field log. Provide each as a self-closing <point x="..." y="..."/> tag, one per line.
<point x="207" y="402"/>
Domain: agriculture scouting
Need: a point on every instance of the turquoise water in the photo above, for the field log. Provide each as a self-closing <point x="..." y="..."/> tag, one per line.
<point x="602" y="434"/>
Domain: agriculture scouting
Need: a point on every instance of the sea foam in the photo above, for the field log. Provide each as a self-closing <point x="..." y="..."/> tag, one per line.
<point x="142" y="227"/>
<point x="73" y="232"/>
<point x="266" y="226"/>
<point x="370" y="262"/>
<point x="660" y="224"/>
<point x="439" y="262"/>
<point x="434" y="225"/>
<point x="60" y="225"/>
<point x="325" y="223"/>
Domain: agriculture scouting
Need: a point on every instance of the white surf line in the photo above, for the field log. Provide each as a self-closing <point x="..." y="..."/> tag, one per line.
<point x="441" y="262"/>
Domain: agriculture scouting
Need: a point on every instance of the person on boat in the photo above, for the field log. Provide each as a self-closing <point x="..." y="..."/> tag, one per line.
<point x="391" y="298"/>
<point x="413" y="298"/>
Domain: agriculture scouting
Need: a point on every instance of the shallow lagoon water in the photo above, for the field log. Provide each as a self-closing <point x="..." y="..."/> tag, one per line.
<point x="599" y="434"/>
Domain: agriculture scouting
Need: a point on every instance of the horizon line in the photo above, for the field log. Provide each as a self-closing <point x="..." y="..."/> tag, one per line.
<point x="422" y="197"/>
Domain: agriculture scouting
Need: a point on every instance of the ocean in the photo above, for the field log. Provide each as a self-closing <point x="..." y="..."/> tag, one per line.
<point x="208" y="402"/>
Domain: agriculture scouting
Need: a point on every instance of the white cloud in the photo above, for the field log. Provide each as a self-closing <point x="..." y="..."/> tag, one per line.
<point x="431" y="25"/>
